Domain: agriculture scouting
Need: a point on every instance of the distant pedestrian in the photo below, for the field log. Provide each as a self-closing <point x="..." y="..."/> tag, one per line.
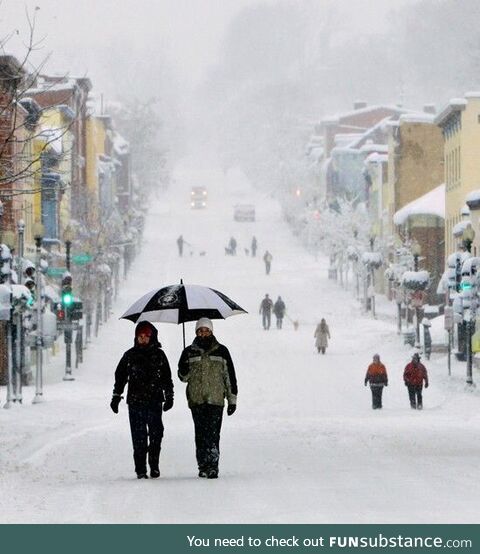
<point x="427" y="338"/>
<point x="414" y="376"/>
<point x="266" y="307"/>
<point x="267" y="258"/>
<point x="180" y="243"/>
<point x="150" y="392"/>
<point x="254" y="247"/>
<point x="279" y="311"/>
<point x="207" y="367"/>
<point x="233" y="246"/>
<point x="322" y="334"/>
<point x="377" y="377"/>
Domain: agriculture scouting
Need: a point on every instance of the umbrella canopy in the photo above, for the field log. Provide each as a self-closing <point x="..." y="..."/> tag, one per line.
<point x="181" y="303"/>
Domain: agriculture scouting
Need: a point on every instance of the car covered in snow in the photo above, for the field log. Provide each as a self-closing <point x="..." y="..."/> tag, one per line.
<point x="244" y="212"/>
<point x="198" y="197"/>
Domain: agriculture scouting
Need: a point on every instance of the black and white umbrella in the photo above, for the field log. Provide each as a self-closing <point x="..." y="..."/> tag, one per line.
<point x="181" y="303"/>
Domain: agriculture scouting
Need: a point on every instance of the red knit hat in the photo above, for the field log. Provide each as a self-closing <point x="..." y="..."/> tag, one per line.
<point x="144" y="328"/>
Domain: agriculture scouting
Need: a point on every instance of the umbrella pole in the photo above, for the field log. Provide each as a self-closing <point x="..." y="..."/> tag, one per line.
<point x="183" y="324"/>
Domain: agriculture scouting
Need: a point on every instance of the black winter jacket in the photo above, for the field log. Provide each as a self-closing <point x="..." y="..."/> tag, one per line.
<point x="147" y="371"/>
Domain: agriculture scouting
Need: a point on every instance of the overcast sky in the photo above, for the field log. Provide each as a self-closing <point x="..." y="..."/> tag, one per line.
<point x="102" y="37"/>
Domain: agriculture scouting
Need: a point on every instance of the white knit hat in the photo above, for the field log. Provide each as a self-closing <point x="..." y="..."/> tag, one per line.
<point x="204" y="322"/>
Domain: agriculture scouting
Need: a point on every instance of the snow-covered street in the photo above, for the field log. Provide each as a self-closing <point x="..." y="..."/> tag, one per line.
<point x="304" y="445"/>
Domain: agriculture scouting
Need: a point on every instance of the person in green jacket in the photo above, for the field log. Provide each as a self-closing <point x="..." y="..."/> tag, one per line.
<point x="207" y="368"/>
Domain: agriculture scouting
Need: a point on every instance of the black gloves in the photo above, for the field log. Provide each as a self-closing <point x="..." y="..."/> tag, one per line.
<point x="114" y="403"/>
<point x="366" y="382"/>
<point x="231" y="409"/>
<point x="168" y="404"/>
<point x="426" y="385"/>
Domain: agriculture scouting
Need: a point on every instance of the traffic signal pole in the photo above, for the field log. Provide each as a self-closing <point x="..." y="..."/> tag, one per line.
<point x="67" y="299"/>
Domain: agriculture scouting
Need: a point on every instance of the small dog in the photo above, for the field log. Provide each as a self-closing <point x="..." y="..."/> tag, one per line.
<point x="247" y="252"/>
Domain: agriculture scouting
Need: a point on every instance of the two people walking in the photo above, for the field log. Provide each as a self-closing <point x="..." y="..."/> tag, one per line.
<point x="414" y="376"/>
<point x="267" y="307"/>
<point x="207" y="368"/>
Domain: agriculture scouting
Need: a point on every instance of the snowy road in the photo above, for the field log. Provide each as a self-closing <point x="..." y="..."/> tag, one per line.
<point x="304" y="445"/>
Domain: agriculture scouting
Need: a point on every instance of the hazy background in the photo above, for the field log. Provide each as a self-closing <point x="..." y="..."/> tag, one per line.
<point x="246" y="80"/>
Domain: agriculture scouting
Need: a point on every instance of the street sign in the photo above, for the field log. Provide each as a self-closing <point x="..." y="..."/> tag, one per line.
<point x="56" y="271"/>
<point x="81" y="259"/>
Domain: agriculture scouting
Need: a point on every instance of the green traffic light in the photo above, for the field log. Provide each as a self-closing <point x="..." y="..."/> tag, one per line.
<point x="466" y="286"/>
<point x="67" y="299"/>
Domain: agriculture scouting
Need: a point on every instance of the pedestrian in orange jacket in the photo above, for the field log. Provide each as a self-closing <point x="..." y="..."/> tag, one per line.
<point x="377" y="377"/>
<point x="414" y="376"/>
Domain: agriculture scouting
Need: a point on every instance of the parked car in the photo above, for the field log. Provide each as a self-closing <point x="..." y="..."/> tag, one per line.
<point x="198" y="197"/>
<point x="244" y="212"/>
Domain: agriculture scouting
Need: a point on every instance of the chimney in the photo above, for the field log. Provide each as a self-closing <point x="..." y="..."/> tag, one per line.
<point x="359" y="104"/>
<point x="429" y="108"/>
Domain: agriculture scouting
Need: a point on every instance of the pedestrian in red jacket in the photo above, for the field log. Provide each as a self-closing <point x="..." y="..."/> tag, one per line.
<point x="414" y="376"/>
<point x="377" y="377"/>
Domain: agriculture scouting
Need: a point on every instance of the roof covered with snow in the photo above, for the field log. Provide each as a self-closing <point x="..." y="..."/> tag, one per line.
<point x="431" y="203"/>
<point x="420" y="117"/>
<point x="455" y="105"/>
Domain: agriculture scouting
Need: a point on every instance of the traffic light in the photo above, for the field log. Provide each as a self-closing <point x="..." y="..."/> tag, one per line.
<point x="67" y="295"/>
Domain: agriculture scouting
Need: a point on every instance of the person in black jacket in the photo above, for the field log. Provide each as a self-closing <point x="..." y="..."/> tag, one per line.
<point x="150" y="391"/>
<point x="207" y="368"/>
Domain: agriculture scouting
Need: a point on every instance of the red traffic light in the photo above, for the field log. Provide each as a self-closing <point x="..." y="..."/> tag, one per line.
<point x="61" y="315"/>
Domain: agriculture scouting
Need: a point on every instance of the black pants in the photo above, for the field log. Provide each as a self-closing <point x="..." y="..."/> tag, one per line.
<point x="279" y="322"/>
<point x="266" y="319"/>
<point x="207" y="420"/>
<point x="267" y="268"/>
<point x="415" y="395"/>
<point x="376" y="396"/>
<point x="147" y="433"/>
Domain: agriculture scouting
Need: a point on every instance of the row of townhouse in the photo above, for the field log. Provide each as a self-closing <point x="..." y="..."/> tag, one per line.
<point x="65" y="173"/>
<point x="418" y="174"/>
<point x="60" y="162"/>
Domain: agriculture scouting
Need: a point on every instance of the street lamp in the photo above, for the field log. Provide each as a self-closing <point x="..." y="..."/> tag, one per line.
<point x="38" y="234"/>
<point x="467" y="237"/>
<point x="416" y="251"/>
<point x="20" y="338"/>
